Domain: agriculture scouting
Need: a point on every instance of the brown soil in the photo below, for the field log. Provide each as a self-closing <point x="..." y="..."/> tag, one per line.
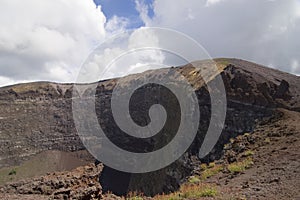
<point x="43" y="163"/>
<point x="276" y="170"/>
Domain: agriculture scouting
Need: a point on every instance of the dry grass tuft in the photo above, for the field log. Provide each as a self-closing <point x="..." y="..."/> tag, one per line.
<point x="190" y="191"/>
<point x="238" y="167"/>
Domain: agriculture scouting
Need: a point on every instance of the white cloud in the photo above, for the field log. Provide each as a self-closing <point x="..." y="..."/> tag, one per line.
<point x="295" y="67"/>
<point x="297" y="9"/>
<point x="124" y="55"/>
<point x="212" y="2"/>
<point x="258" y="30"/>
<point x="47" y="40"/>
<point x="6" y="81"/>
<point x="143" y="9"/>
<point x="116" y="25"/>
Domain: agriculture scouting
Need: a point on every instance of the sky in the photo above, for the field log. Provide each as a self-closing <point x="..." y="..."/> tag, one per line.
<point x="124" y="9"/>
<point x="42" y="40"/>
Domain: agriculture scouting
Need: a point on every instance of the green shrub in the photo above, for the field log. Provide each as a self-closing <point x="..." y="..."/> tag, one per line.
<point x="12" y="172"/>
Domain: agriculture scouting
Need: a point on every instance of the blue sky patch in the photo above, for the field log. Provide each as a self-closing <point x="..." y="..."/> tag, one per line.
<point x="124" y="8"/>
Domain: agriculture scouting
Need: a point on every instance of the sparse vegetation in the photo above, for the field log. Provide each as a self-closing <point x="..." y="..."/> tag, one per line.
<point x="194" y="179"/>
<point x="267" y="140"/>
<point x="211" y="171"/>
<point x="134" y="196"/>
<point x="248" y="153"/>
<point x="224" y="62"/>
<point x="190" y="191"/>
<point x="209" y="192"/>
<point x="227" y="146"/>
<point x="211" y="165"/>
<point x="238" y="167"/>
<point x="196" y="191"/>
<point x="195" y="188"/>
<point x="12" y="172"/>
<point x="203" y="166"/>
<point x="246" y="134"/>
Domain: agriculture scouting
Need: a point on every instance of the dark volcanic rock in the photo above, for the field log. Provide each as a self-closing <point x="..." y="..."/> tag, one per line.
<point x="38" y="116"/>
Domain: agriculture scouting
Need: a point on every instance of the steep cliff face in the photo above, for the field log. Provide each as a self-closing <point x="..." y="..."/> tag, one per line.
<point x="36" y="117"/>
<point x="253" y="95"/>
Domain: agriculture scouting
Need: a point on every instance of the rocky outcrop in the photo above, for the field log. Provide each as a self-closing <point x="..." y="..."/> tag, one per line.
<point x="33" y="118"/>
<point x="81" y="183"/>
<point x="253" y="94"/>
<point x="38" y="116"/>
